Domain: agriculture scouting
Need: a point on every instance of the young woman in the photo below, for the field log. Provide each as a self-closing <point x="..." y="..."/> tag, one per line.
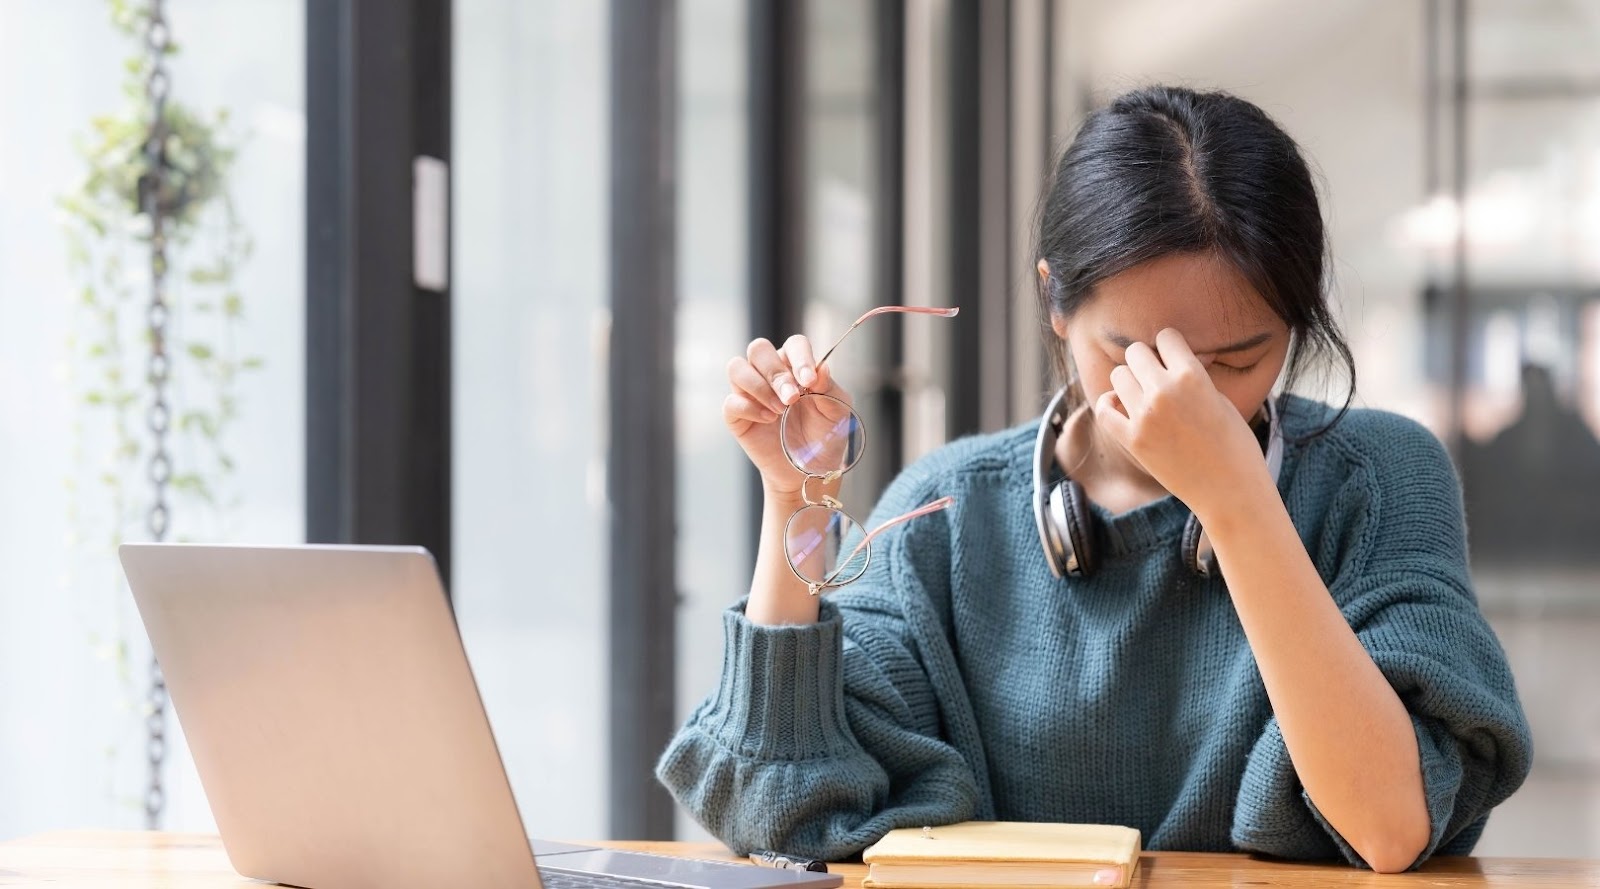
<point x="1245" y="623"/>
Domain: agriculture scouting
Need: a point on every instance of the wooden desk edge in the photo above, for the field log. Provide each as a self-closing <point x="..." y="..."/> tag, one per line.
<point x="109" y="853"/>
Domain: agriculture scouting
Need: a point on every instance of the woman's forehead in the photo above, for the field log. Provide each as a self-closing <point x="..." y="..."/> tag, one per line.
<point x="1202" y="296"/>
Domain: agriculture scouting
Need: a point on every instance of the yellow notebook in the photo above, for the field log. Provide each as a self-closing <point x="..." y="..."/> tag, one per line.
<point x="1009" y="854"/>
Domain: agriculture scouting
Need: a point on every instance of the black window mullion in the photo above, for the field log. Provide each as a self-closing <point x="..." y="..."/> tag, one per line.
<point x="377" y="345"/>
<point x="979" y="177"/>
<point x="776" y="48"/>
<point x="889" y="250"/>
<point x="963" y="384"/>
<point x="642" y="458"/>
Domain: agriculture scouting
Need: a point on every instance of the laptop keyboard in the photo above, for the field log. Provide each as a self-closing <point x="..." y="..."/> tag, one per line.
<point x="556" y="879"/>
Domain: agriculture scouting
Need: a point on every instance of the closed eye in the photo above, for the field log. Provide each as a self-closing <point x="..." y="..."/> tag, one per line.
<point x="1229" y="368"/>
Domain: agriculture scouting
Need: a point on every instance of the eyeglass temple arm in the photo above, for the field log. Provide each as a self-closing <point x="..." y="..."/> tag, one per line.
<point x="884" y="310"/>
<point x="919" y="512"/>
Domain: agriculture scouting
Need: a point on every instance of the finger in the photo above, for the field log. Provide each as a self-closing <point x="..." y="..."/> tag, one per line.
<point x="824" y="383"/>
<point x="831" y="408"/>
<point x="1109" y="416"/>
<point x="1146" y="367"/>
<point x="797" y="349"/>
<point x="738" y="406"/>
<point x="1127" y="388"/>
<point x="750" y="382"/>
<point x="771" y="364"/>
<point x="1175" y="352"/>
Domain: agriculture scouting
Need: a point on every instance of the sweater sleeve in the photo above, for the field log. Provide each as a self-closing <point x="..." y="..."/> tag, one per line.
<point x="821" y="738"/>
<point x="1401" y="579"/>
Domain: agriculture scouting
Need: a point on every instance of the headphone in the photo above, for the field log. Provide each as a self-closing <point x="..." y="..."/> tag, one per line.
<point x="1066" y="525"/>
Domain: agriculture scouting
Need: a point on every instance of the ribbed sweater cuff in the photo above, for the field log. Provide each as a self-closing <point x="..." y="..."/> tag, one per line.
<point x="782" y="692"/>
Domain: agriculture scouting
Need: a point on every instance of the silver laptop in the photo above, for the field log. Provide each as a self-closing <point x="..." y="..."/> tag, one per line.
<point x="338" y="731"/>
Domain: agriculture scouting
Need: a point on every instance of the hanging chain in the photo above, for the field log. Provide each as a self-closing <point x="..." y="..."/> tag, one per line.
<point x="153" y="198"/>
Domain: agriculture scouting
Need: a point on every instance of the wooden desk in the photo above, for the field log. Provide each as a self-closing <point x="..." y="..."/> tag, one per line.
<point x="75" y="859"/>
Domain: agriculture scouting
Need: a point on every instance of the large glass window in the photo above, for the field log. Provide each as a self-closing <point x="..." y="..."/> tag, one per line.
<point x="714" y="558"/>
<point x="74" y="278"/>
<point x="531" y="290"/>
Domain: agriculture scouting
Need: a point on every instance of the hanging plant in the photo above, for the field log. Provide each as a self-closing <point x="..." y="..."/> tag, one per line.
<point x="135" y="234"/>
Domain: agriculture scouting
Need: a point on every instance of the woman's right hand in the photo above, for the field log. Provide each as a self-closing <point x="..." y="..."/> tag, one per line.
<point x="764" y="382"/>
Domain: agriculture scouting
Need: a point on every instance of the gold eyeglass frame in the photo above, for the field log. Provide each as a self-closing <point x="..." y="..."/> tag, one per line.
<point x="827" y="501"/>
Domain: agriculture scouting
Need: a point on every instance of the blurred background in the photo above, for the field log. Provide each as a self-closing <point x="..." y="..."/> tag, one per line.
<point x="466" y="273"/>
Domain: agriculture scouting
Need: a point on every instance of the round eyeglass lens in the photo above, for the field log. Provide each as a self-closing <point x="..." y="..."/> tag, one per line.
<point x="821" y="434"/>
<point x="815" y="541"/>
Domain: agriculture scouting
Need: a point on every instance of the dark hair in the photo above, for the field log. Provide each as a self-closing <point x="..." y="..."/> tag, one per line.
<point x="1167" y="170"/>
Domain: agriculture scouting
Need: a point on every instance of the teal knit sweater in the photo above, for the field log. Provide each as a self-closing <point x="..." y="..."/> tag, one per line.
<point x="958" y="679"/>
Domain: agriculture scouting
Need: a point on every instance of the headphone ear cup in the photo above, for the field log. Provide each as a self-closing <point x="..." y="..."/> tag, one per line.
<point x="1050" y="522"/>
<point x="1198" y="562"/>
<point x="1078" y="523"/>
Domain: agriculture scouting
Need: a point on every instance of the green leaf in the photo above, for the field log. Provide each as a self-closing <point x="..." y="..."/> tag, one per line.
<point x="192" y="484"/>
<point x="201" y="422"/>
<point x="200" y="352"/>
<point x="254" y="362"/>
<point x="205" y="275"/>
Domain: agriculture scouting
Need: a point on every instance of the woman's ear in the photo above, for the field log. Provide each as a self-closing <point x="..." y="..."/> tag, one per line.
<point x="1057" y="323"/>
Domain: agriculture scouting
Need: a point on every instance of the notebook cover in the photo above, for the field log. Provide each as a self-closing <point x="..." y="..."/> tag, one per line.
<point x="1008" y="841"/>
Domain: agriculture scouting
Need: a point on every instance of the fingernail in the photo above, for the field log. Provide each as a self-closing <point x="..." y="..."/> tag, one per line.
<point x="787" y="392"/>
<point x="807" y="376"/>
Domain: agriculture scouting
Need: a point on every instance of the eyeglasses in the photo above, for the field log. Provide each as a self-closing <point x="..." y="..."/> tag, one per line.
<point x="824" y="438"/>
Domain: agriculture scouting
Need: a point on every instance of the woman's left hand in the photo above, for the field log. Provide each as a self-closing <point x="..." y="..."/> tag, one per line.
<point x="1165" y="411"/>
